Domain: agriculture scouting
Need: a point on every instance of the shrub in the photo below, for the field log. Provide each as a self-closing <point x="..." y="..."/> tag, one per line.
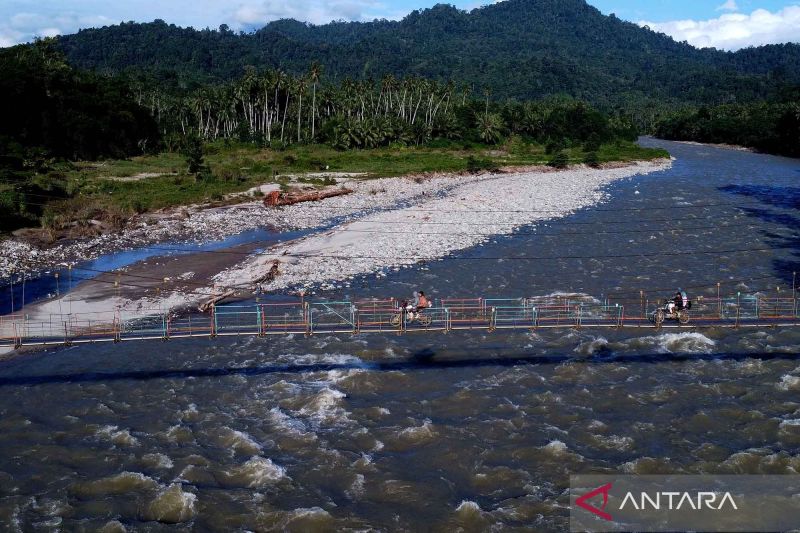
<point x="591" y="159"/>
<point x="560" y="160"/>
<point x="193" y="152"/>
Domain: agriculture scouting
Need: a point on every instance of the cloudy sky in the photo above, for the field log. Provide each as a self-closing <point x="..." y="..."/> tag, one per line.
<point x="726" y="24"/>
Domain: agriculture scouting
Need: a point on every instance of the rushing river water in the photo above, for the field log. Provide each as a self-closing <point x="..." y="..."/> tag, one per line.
<point x="436" y="432"/>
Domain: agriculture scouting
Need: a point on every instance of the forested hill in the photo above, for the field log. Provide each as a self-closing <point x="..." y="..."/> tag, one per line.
<point x="518" y="48"/>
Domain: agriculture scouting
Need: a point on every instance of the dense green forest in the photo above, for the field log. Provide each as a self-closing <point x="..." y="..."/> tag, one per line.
<point x="772" y="127"/>
<point x="523" y="49"/>
<point x="51" y="113"/>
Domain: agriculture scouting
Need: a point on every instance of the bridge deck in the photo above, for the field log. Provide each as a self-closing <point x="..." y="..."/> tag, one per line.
<point x="384" y="316"/>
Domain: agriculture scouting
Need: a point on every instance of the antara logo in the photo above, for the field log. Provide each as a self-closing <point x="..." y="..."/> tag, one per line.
<point x="657" y="501"/>
<point x="601" y="512"/>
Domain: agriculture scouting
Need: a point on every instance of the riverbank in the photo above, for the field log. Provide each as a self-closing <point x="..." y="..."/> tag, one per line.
<point x="723" y="146"/>
<point x="124" y="204"/>
<point x="384" y="224"/>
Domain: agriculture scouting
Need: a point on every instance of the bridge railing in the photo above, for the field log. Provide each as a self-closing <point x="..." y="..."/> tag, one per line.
<point x="237" y="320"/>
<point x="332" y="317"/>
<point x="513" y="317"/>
<point x="290" y="317"/>
<point x="466" y="313"/>
<point x="777" y="308"/>
<point x="383" y="315"/>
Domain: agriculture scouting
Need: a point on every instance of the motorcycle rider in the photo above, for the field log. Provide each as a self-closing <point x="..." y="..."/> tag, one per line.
<point x="678" y="301"/>
<point x="420" y="303"/>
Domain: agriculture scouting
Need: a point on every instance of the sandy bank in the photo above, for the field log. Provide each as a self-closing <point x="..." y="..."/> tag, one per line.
<point x="459" y="218"/>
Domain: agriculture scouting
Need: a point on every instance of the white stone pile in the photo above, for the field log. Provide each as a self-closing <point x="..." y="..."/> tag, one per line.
<point x="460" y="217"/>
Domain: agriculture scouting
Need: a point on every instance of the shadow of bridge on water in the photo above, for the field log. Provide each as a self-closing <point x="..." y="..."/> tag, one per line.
<point x="422" y="360"/>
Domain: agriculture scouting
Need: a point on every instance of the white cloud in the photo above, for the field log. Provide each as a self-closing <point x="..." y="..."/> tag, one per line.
<point x="23" y="27"/>
<point x="730" y="5"/>
<point x="733" y="31"/>
<point x="256" y="14"/>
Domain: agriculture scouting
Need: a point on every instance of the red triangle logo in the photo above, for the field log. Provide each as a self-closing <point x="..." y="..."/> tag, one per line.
<point x="601" y="512"/>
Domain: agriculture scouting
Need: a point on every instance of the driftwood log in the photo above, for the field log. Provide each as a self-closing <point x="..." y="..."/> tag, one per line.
<point x="208" y="304"/>
<point x="278" y="198"/>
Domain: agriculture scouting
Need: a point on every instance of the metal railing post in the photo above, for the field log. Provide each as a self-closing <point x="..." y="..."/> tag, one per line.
<point x="213" y="320"/>
<point x="17" y="337"/>
<point x="262" y="321"/>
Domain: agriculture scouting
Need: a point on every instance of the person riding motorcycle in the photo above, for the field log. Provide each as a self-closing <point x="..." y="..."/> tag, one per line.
<point x="675" y="308"/>
<point x="420" y="303"/>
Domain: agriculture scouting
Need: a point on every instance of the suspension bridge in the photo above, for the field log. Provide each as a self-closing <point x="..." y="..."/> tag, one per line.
<point x="376" y="316"/>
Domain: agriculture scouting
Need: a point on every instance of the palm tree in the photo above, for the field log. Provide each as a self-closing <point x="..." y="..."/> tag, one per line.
<point x="316" y="72"/>
<point x="490" y="127"/>
<point x="301" y="85"/>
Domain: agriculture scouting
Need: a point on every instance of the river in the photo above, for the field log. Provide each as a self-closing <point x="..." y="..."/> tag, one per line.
<point x="435" y="432"/>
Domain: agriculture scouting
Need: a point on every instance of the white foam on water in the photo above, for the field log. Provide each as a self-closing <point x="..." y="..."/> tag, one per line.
<point x="190" y="414"/>
<point x="789" y="382"/>
<point x="419" y="434"/>
<point x="157" y="460"/>
<point x="666" y="343"/>
<point x="325" y="408"/>
<point x="239" y="442"/>
<point x="614" y="442"/>
<point x="356" y="489"/>
<point x="121" y="483"/>
<point x="556" y="448"/>
<point x="309" y="519"/>
<point x="591" y="347"/>
<point x="597" y="425"/>
<point x="118" y="437"/>
<point x="468" y="507"/>
<point x="171" y="506"/>
<point x="289" y="424"/>
<point x="257" y="472"/>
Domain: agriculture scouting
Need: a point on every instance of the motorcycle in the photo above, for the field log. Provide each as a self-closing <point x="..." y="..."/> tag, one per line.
<point x="670" y="311"/>
<point x="412" y="316"/>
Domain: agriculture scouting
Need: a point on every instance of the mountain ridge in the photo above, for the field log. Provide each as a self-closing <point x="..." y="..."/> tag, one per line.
<point x="519" y="48"/>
